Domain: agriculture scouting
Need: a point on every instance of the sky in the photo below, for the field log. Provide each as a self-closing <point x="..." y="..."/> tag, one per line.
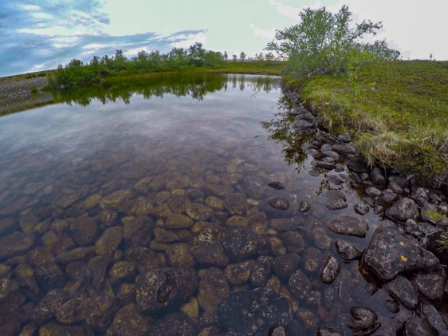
<point x="41" y="34"/>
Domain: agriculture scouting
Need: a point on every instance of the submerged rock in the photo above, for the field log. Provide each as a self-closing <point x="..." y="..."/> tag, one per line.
<point x="213" y="287"/>
<point x="347" y="251"/>
<point x="174" y="324"/>
<point x="283" y="266"/>
<point x="206" y="247"/>
<point x="335" y="200"/>
<point x="251" y="312"/>
<point x="261" y="271"/>
<point x="16" y="244"/>
<point x="403" y="290"/>
<point x="327" y="331"/>
<point x="128" y="321"/>
<point x="254" y="187"/>
<point x="239" y="243"/>
<point x="349" y="225"/>
<point x="389" y="253"/>
<point x="363" y="320"/>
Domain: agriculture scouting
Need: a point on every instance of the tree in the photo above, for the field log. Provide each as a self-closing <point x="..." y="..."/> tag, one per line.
<point x="323" y="42"/>
<point x="242" y="56"/>
<point x="235" y="58"/>
<point x="225" y="55"/>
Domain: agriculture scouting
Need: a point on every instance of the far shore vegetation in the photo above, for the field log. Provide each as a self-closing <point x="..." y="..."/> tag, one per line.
<point x="395" y="110"/>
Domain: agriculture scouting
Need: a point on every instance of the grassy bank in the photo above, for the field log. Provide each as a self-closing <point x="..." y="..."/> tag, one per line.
<point x="397" y="112"/>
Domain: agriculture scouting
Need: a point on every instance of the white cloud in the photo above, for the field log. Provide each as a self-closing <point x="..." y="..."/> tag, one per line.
<point x="290" y="12"/>
<point x="200" y="38"/>
<point x="267" y="34"/>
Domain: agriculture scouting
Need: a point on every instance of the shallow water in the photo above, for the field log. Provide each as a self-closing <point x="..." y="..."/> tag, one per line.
<point x="203" y="133"/>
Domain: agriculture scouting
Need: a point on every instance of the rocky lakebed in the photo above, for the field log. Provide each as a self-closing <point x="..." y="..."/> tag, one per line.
<point x="286" y="232"/>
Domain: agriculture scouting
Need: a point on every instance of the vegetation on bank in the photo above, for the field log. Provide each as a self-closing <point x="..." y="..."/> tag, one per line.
<point x="396" y="111"/>
<point x="192" y="60"/>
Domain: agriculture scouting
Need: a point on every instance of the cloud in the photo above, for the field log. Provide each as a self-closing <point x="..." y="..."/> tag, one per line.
<point x="38" y="35"/>
<point x="290" y="12"/>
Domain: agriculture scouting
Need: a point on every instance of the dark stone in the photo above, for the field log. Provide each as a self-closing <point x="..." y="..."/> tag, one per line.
<point x="254" y="187"/>
<point x="293" y="241"/>
<point x="16" y="244"/>
<point x="361" y="208"/>
<point x="389" y="197"/>
<point x="278" y="203"/>
<point x="304" y="206"/>
<point x="395" y="187"/>
<point x="277" y="185"/>
<point x="84" y="230"/>
<point x="417" y="326"/>
<point x="50" y="276"/>
<point x="159" y="289"/>
<point x="142" y="256"/>
<point x="261" y="271"/>
<point x="128" y="321"/>
<point x="7" y="286"/>
<point x="389" y="253"/>
<point x="412" y="228"/>
<point x="403" y="290"/>
<point x="109" y="241"/>
<point x="283" y="266"/>
<point x="349" y="225"/>
<point x="236" y="204"/>
<point x="363" y="320"/>
<point x="335" y="200"/>
<point x="332" y="154"/>
<point x="101" y="309"/>
<point x="277" y="206"/>
<point x="324" y="164"/>
<point x="335" y="179"/>
<point x="239" y="273"/>
<point x="373" y="192"/>
<point x="357" y="164"/>
<point x="330" y="270"/>
<point x="213" y="287"/>
<point x="430" y="285"/>
<point x="434" y="319"/>
<point x="404" y="209"/>
<point x="98" y="266"/>
<point x="73" y="311"/>
<point x="347" y="251"/>
<point x="327" y="331"/>
<point x="311" y="260"/>
<point x="8" y="225"/>
<point x="239" y="243"/>
<point x="313" y="153"/>
<point x="248" y="312"/>
<point x="206" y="247"/>
<point x="345" y="137"/>
<point x="174" y="324"/>
<point x="392" y="306"/>
<point x="77" y="254"/>
<point x="320" y="238"/>
<point x="56" y="329"/>
<point x="138" y="231"/>
<point x="377" y="177"/>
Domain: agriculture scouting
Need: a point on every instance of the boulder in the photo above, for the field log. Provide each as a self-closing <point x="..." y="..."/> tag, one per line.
<point x="349" y="225"/>
<point x="404" y="209"/>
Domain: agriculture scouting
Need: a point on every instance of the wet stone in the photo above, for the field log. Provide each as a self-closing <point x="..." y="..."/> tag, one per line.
<point x="180" y="255"/>
<point x="324" y="164"/>
<point x="304" y="206"/>
<point x="237" y="221"/>
<point x="206" y="246"/>
<point x="335" y="179"/>
<point x="56" y="329"/>
<point x="389" y="197"/>
<point x="109" y="241"/>
<point x="389" y="253"/>
<point x="356" y="163"/>
<point x="98" y="266"/>
<point x="77" y="254"/>
<point x="165" y="236"/>
<point x="361" y="208"/>
<point x="198" y="211"/>
<point x="239" y="243"/>
<point x="249" y="312"/>
<point x="159" y="289"/>
<point x="403" y="290"/>
<point x="84" y="230"/>
<point x="254" y="187"/>
<point x="430" y="285"/>
<point x="137" y="231"/>
<point x="277" y="185"/>
<point x="293" y="241"/>
<point x="347" y="251"/>
<point x="283" y="266"/>
<point x="434" y="319"/>
<point x="308" y="318"/>
<point x="172" y="325"/>
<point x="126" y="293"/>
<point x="377" y="177"/>
<point x="335" y="200"/>
<point x="214" y="203"/>
<point x="373" y="192"/>
<point x="142" y="256"/>
<point x="238" y="274"/>
<point x="50" y="276"/>
<point x="299" y="284"/>
<point x="236" y="204"/>
<point x="392" y="306"/>
<point x="261" y="271"/>
<point x="313" y="153"/>
<point x="277" y="247"/>
<point x="178" y="221"/>
<point x="362" y="320"/>
<point x="404" y="209"/>
<point x="330" y="270"/>
<point x="16" y="244"/>
<point x="311" y="260"/>
<point x="349" y="225"/>
<point x="213" y="287"/>
<point x="320" y="238"/>
<point x="284" y="224"/>
<point x="122" y="270"/>
<point x="7" y="286"/>
<point x="128" y="321"/>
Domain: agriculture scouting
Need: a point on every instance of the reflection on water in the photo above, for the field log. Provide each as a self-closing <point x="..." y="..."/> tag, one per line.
<point x="142" y="199"/>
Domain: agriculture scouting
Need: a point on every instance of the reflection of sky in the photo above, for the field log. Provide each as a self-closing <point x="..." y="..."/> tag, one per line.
<point x="38" y="35"/>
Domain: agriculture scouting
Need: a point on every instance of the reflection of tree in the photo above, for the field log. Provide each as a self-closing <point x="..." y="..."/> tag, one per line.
<point x="281" y="131"/>
<point x="196" y="86"/>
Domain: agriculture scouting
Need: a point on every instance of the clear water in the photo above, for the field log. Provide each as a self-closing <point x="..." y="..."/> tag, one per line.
<point x="198" y="129"/>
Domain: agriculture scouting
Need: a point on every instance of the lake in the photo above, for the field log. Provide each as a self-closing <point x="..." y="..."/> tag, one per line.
<point x="173" y="206"/>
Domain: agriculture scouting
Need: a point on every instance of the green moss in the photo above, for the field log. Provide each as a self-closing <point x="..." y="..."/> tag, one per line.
<point x="435" y="216"/>
<point x="398" y="115"/>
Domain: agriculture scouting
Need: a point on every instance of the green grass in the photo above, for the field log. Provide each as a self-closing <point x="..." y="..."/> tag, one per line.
<point x="397" y="112"/>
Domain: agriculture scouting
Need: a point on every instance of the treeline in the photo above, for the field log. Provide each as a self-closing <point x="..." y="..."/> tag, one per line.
<point x="178" y="59"/>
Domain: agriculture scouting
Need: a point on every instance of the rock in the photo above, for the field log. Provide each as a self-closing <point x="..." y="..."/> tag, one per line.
<point x="174" y="324"/>
<point x="128" y="321"/>
<point x="8" y="225"/>
<point x="178" y="221"/>
<point x="251" y="312"/>
<point x="434" y="319"/>
<point x="361" y="208"/>
<point x="254" y="187"/>
<point x="347" y="251"/>
<point x="311" y="260"/>
<point x="395" y="188"/>
<point x="213" y="287"/>
<point x="122" y="270"/>
<point x="363" y="320"/>
<point x="137" y="231"/>
<point x="284" y="224"/>
<point x="404" y="209"/>
<point x="236" y="204"/>
<point x="114" y="200"/>
<point x="239" y="243"/>
<point x="389" y="253"/>
<point x="238" y="274"/>
<point x="126" y="293"/>
<point x="50" y="276"/>
<point x="283" y="266"/>
<point x="349" y="225"/>
<point x="16" y="244"/>
<point x="84" y="230"/>
<point x="356" y="163"/>
<point x="236" y="221"/>
<point x="77" y="254"/>
<point x="430" y="285"/>
<point x="327" y="331"/>
<point x="335" y="200"/>
<point x="389" y="196"/>
<point x="143" y="257"/>
<point x="277" y="247"/>
<point x="7" y="286"/>
<point x="198" y="211"/>
<point x="261" y="271"/>
<point x="98" y="266"/>
<point x="214" y="203"/>
<point x="165" y="236"/>
<point x="73" y="311"/>
<point x="109" y="241"/>
<point x="108" y="218"/>
<point x="335" y="179"/>
<point x="277" y="185"/>
<point x="377" y="177"/>
<point x="373" y="192"/>
<point x="100" y="310"/>
<point x="56" y="329"/>
<point x="177" y="200"/>
<point x="308" y="318"/>
<point x="299" y="284"/>
<point x="293" y="241"/>
<point x="304" y="206"/>
<point x="160" y="289"/>
<point x="330" y="270"/>
<point x="206" y="247"/>
<point x="392" y="306"/>
<point x="320" y="238"/>
<point x="403" y="290"/>
<point x="417" y="326"/>
<point x="180" y="255"/>
<point x="332" y="154"/>
<point x="324" y="164"/>
<point x="345" y="137"/>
